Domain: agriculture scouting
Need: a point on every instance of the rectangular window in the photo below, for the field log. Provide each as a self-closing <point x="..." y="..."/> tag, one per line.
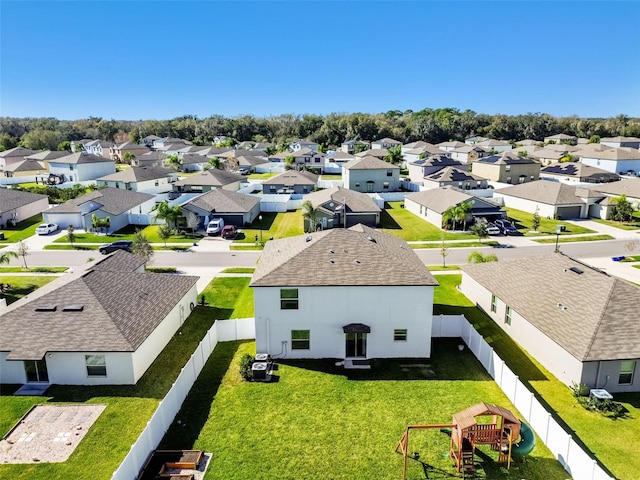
<point x="389" y="173"/>
<point x="521" y="179"/>
<point x="626" y="372"/>
<point x="272" y="188"/>
<point x="508" y="180"/>
<point x="357" y="184"/>
<point x="507" y="168"/>
<point x="300" y="339"/>
<point x="289" y="299"/>
<point x="96" y="365"/>
<point x="494" y="303"/>
<point x="70" y="167"/>
<point x="507" y="316"/>
<point x="385" y="185"/>
<point x="400" y="335"/>
<point x="196" y="188"/>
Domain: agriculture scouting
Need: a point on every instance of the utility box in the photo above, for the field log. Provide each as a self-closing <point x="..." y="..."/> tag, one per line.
<point x="259" y="371"/>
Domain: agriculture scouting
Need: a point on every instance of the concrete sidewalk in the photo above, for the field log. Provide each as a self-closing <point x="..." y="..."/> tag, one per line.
<point x="623" y="270"/>
<point x="602" y="229"/>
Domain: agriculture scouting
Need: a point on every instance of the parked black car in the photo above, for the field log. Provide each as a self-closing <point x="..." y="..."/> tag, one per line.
<point x="506" y="227"/>
<point x="119" y="245"/>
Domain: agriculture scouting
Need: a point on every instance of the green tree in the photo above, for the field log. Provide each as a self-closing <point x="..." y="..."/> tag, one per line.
<point x="594" y="139"/>
<point x="535" y="220"/>
<point x="168" y="213"/>
<point x="216" y="163"/>
<point x="71" y="236"/>
<point x="451" y="215"/>
<point x="270" y="150"/>
<point x="64" y="146"/>
<point x="622" y="210"/>
<point x="444" y="251"/>
<point x="5" y="257"/>
<point x="141" y="246"/>
<point x="479" y="229"/>
<point x="173" y="161"/>
<point x="464" y="209"/>
<point x="7" y="142"/>
<point x="477" y="257"/>
<point x="289" y="160"/>
<point x="23" y="251"/>
<point x="128" y="157"/>
<point x="100" y="223"/>
<point x="309" y="214"/>
<point x="165" y="232"/>
<point x="394" y="155"/>
<point x="360" y="147"/>
<point x="41" y="140"/>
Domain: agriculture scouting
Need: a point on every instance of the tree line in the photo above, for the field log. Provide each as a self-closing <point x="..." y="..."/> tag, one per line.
<point x="430" y="125"/>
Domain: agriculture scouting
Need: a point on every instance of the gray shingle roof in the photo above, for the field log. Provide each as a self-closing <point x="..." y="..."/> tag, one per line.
<point x="356" y="201"/>
<point x="26" y="165"/>
<point x="439" y="199"/>
<point x="212" y="177"/>
<point x="80" y="158"/>
<point x="12" y="199"/>
<point x="293" y="177"/>
<point x="224" y="201"/>
<point x="373" y="152"/>
<point x="438" y="160"/>
<point x="369" y="163"/>
<point x="112" y="200"/>
<point x="629" y="187"/>
<point x="137" y="174"/>
<point x="46" y="155"/>
<point x="120" y="310"/>
<point x="506" y="158"/>
<point x="600" y="320"/>
<point x="358" y="256"/>
<point x="545" y="191"/>
<point x="17" y="152"/>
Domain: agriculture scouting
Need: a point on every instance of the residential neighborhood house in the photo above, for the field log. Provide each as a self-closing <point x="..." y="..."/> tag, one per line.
<point x="508" y="167"/>
<point x="16" y="205"/>
<point x="369" y="174"/>
<point x="234" y="208"/>
<point x="211" y="179"/>
<point x="81" y="167"/>
<point x="291" y="181"/>
<point x="141" y="179"/>
<point x="333" y="205"/>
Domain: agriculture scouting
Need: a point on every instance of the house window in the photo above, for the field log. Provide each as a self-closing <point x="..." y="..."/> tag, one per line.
<point x="357" y="184"/>
<point x="289" y="299"/>
<point x="400" y="335"/>
<point x="508" y="180"/>
<point x="71" y="167"/>
<point x="305" y="189"/>
<point x="494" y="303"/>
<point x="300" y="339"/>
<point x="389" y="173"/>
<point x="272" y="188"/>
<point x="507" y="316"/>
<point x="626" y="372"/>
<point x="317" y="160"/>
<point x="96" y="365"/>
<point x="196" y="188"/>
<point x="385" y="185"/>
<point x="521" y="179"/>
<point x="157" y="182"/>
<point x="507" y="168"/>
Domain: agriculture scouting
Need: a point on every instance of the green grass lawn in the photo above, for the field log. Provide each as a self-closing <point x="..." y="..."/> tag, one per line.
<point x="238" y="270"/>
<point x="127" y="233"/>
<point x="262" y="176"/>
<point x="276" y="225"/>
<point x="614" y="442"/>
<point x="440" y="268"/>
<point x="22" y="230"/>
<point x="523" y="221"/>
<point x="484" y="243"/>
<point x="77" y="246"/>
<point x="21" y="285"/>
<point x="129" y="408"/>
<point x="632" y="225"/>
<point x="336" y="176"/>
<point x="583" y="238"/>
<point x="33" y="269"/>
<point x="404" y="224"/>
<point x="319" y="421"/>
<point x="231" y="296"/>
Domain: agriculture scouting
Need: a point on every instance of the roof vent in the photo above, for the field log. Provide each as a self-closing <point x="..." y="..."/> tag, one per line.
<point x="576" y="270"/>
<point x="332" y="261"/>
<point x="371" y="239"/>
<point x="73" y="308"/>
<point x="331" y="251"/>
<point x="308" y="239"/>
<point x="46" y="308"/>
<point x="357" y="262"/>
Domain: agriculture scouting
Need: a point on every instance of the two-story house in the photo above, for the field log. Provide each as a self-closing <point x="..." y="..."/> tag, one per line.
<point x="507" y="168"/>
<point x="81" y="167"/>
<point x="369" y="174"/>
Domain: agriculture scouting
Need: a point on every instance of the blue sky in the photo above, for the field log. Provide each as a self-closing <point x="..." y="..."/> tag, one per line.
<point x="138" y="60"/>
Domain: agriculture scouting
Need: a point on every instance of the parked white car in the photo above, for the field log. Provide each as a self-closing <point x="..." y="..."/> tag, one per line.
<point x="493" y="230"/>
<point x="46" y="228"/>
<point x="215" y="226"/>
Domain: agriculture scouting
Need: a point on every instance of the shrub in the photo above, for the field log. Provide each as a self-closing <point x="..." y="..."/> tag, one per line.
<point x="161" y="269"/>
<point x="578" y="389"/>
<point x="246" y="362"/>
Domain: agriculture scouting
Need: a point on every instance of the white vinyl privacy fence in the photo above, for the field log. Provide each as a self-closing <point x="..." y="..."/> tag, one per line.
<point x="571" y="456"/>
<point x="221" y="331"/>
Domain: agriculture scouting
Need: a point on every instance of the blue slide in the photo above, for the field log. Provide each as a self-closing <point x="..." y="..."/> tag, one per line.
<point x="527" y="441"/>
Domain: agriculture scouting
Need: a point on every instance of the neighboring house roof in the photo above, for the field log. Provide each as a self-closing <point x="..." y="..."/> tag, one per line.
<point x="386" y="140"/>
<point x="120" y="260"/>
<point x="131" y="146"/>
<point x="539" y="153"/>
<point x="609" y="153"/>
<point x="99" y="143"/>
<point x="26" y="165"/>
<point x="80" y="158"/>
<point x="46" y="155"/>
<point x="251" y="160"/>
<point x="629" y="187"/>
<point x="439" y="160"/>
<point x="578" y="170"/>
<point x="212" y="177"/>
<point x="17" y="152"/>
<point x="493" y="143"/>
<point x="471" y="148"/>
<point x="369" y="163"/>
<point x="455" y="144"/>
<point x="430" y="149"/>
<point x="506" y="158"/>
<point x="440" y="199"/>
<point x="307" y="152"/>
<point x="224" y="201"/>
<point x="137" y="174"/>
<point x="355" y="142"/>
<point x="452" y="174"/>
<point x="620" y="139"/>
<point x="120" y="309"/>
<point x="528" y="142"/>
<point x="114" y="201"/>
<point x="12" y="199"/>
<point x="562" y="147"/>
<point x="293" y="177"/>
<point x="418" y="144"/>
<point x="373" y="152"/>
<point x="358" y="256"/>
<point x="193" y="158"/>
<point x="356" y="202"/>
<point x="341" y="156"/>
<point x="548" y="192"/>
<point x="560" y="136"/>
<point x="589" y="314"/>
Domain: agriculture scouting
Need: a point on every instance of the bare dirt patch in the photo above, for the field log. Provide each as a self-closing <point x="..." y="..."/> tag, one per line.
<point x="48" y="433"/>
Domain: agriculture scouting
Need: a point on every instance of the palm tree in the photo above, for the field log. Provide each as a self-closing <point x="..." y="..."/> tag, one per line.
<point x="451" y="214"/>
<point x="464" y="209"/>
<point x="309" y="213"/>
<point x="623" y="210"/>
<point x="215" y="163"/>
<point x="5" y="257"/>
<point x="173" y="161"/>
<point x="477" y="257"/>
<point x="167" y="213"/>
<point x="394" y="155"/>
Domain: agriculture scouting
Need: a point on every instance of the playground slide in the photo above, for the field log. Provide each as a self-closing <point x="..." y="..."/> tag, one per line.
<point x="527" y="441"/>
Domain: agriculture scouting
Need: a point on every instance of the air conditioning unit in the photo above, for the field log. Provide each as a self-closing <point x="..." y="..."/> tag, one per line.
<point x="259" y="371"/>
<point x="263" y="357"/>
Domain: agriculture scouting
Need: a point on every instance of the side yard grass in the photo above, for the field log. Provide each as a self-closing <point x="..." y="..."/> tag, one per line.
<point x="614" y="442"/>
<point x="231" y="296"/>
<point x="523" y="221"/>
<point x="22" y="230"/>
<point x="398" y="221"/>
<point x="272" y="225"/>
<point x="17" y="286"/>
<point x="634" y="224"/>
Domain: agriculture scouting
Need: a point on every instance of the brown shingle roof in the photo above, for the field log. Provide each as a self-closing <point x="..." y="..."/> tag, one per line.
<point x="212" y="177"/>
<point x="12" y="199"/>
<point x="356" y="201"/>
<point x="544" y="191"/>
<point x="80" y="158"/>
<point x="137" y="174"/>
<point x="224" y="201"/>
<point x="599" y="321"/>
<point x="358" y="256"/>
<point x="112" y="200"/>
<point x="293" y="177"/>
<point x="369" y="163"/>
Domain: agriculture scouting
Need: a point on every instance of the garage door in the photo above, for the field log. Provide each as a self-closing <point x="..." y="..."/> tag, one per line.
<point x="569" y="212"/>
<point x="236" y="220"/>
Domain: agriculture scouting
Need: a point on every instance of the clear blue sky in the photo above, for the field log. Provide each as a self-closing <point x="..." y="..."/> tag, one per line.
<point x="138" y="60"/>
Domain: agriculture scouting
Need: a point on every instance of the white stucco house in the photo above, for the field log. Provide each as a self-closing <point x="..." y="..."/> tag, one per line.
<point x="352" y="294"/>
<point x="152" y="180"/>
<point x="16" y="205"/>
<point x="369" y="174"/>
<point x="611" y="159"/>
<point x="81" y="166"/>
<point x="123" y="207"/>
<point x="104" y="324"/>
<point x="578" y="322"/>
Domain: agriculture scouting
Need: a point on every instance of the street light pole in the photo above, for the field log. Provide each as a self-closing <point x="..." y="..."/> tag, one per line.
<point x="260" y="218"/>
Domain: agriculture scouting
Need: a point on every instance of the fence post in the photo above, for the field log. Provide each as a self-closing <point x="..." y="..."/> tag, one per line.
<point x="530" y="407"/>
<point x="546" y="434"/>
<point x="569" y="438"/>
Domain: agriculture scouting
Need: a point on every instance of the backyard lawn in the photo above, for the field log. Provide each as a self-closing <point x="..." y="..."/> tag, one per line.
<point x="320" y="421"/>
<point x="523" y="221"/>
<point x="614" y="442"/>
<point x="231" y="296"/>
<point x="404" y="224"/>
<point x="22" y="230"/>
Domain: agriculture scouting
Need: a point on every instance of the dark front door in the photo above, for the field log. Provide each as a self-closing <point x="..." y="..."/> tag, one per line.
<point x="36" y="370"/>
<point x="356" y="346"/>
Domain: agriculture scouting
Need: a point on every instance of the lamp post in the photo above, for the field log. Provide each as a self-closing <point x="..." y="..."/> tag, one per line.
<point x="260" y="218"/>
<point x="558" y="230"/>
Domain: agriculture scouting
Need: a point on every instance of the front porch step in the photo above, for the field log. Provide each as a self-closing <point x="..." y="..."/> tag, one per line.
<point x="357" y="364"/>
<point x="32" y="389"/>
